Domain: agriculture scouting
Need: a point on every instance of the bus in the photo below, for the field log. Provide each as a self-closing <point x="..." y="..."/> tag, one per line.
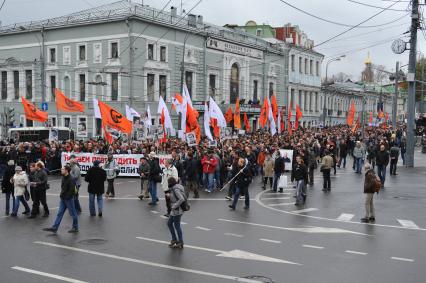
<point x="32" y="134"/>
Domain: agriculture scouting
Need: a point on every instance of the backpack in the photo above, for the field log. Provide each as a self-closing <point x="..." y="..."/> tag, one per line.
<point x="185" y="204"/>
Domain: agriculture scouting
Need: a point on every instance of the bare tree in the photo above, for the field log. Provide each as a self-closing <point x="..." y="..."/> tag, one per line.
<point x="380" y="74"/>
<point x="341" y="77"/>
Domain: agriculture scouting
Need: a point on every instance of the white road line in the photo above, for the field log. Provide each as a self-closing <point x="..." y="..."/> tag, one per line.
<point x="132" y="181"/>
<point x="402" y="259"/>
<point x="270" y="241"/>
<point x="50" y="275"/>
<point x="408" y="224"/>
<point x="275" y="198"/>
<point x="150" y="263"/>
<point x="281" y="204"/>
<point x="154" y="211"/>
<point x="355" y="252"/>
<point x="164" y="217"/>
<point x="203" y="228"/>
<point x="183" y="223"/>
<point x="305" y="210"/>
<point x="233" y="235"/>
<point x="345" y="217"/>
<point x="313" y="247"/>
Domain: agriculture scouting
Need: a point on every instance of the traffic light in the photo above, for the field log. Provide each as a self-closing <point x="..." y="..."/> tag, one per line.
<point x="10" y="116"/>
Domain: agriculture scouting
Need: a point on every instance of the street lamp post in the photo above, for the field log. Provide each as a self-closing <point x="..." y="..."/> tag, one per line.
<point x="326" y="83"/>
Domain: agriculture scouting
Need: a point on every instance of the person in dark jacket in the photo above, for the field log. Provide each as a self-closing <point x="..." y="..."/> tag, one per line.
<point x="96" y="177"/>
<point x="7" y="187"/>
<point x="154" y="177"/>
<point x="394" y="155"/>
<point x="242" y="181"/>
<point x="191" y="169"/>
<point x="143" y="172"/>
<point x="382" y="160"/>
<point x="369" y="190"/>
<point x="301" y="176"/>
<point x="279" y="168"/>
<point x="343" y="152"/>
<point x="39" y="185"/>
<point x="68" y="191"/>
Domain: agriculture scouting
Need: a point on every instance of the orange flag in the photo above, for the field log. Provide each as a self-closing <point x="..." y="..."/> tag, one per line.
<point x="246" y="122"/>
<point x="107" y="134"/>
<point x="357" y="125"/>
<point x="237" y="118"/>
<point x="282" y="120"/>
<point x="192" y="122"/>
<point x="32" y="112"/>
<point x="114" y="119"/>
<point x="274" y="106"/>
<point x="380" y="114"/>
<point x="351" y="114"/>
<point x="299" y="115"/>
<point x="228" y="115"/>
<point x="65" y="104"/>
<point x="216" y="128"/>
<point x="289" y="126"/>
<point x="370" y="119"/>
<point x="264" y="113"/>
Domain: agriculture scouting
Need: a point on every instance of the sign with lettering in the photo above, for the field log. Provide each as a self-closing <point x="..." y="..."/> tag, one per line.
<point x="234" y="48"/>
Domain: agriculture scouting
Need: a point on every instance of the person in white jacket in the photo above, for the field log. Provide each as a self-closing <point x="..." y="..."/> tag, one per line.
<point x="169" y="170"/>
<point x="20" y="182"/>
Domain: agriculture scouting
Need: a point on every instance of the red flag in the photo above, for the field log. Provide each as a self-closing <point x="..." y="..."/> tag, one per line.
<point x="192" y="122"/>
<point x="282" y="120"/>
<point x="357" y="125"/>
<point x="32" y="112"/>
<point x="237" y="118"/>
<point x="274" y="106"/>
<point x="289" y="126"/>
<point x="370" y="120"/>
<point x="107" y="134"/>
<point x="299" y="115"/>
<point x="229" y="115"/>
<point x="65" y="104"/>
<point x="380" y="114"/>
<point x="264" y="113"/>
<point x="351" y="114"/>
<point x="246" y="122"/>
<point x="114" y="119"/>
<point x="216" y="129"/>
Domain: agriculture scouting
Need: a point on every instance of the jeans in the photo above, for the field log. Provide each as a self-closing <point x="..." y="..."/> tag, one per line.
<point x="369" y="206"/>
<point x="300" y="191"/>
<point x="217" y="178"/>
<point x="358" y="165"/>
<point x="174" y="224"/>
<point x="19" y="199"/>
<point x="311" y="174"/>
<point x="344" y="161"/>
<point x="392" y="168"/>
<point x="110" y="190"/>
<point x="39" y="197"/>
<point x="63" y="205"/>
<point x="208" y="179"/>
<point x="3" y="168"/>
<point x="8" y="195"/>
<point x="327" y="180"/>
<point x="152" y="187"/>
<point x="276" y="178"/>
<point x="100" y="202"/>
<point x="237" y="193"/>
<point x="381" y="172"/>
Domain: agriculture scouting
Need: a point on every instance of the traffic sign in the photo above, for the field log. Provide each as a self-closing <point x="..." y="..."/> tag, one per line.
<point x="44" y="106"/>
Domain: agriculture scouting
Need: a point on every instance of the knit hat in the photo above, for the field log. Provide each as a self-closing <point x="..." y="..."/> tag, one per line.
<point x="18" y="168"/>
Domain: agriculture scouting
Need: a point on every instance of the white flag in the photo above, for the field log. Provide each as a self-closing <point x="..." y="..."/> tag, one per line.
<point x="96" y="109"/>
<point x="131" y="113"/>
<point x="207" y="122"/>
<point x="162" y="109"/>
<point x="148" y="119"/>
<point x="216" y="113"/>
<point x="271" y="119"/>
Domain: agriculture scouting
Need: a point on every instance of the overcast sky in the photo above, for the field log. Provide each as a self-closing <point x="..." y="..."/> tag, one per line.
<point x="355" y="43"/>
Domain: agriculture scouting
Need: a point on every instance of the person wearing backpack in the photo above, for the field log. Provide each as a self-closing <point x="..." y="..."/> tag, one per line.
<point x="369" y="190"/>
<point x="177" y="199"/>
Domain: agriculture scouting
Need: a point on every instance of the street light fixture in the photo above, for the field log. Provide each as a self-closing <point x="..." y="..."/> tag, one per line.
<point x="326" y="83"/>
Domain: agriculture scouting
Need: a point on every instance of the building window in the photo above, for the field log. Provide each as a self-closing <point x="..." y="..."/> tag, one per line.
<point x="52" y="121"/>
<point x="311" y="66"/>
<point x="150" y="51"/>
<point x="235" y="83"/>
<point x="316" y="101"/>
<point x="52" y="55"/>
<point x="67" y="86"/>
<point x="306" y="66"/>
<point x="292" y="58"/>
<point x="66" y="122"/>
<point x="300" y="98"/>
<point x="98" y="127"/>
<point x="163" y="54"/>
<point x="271" y="89"/>
<point x="66" y="50"/>
<point x="4" y="85"/>
<point x="114" y="50"/>
<point x="317" y="68"/>
<point x="255" y="87"/>
<point x="114" y="86"/>
<point x="82" y="52"/>
<point x="150" y="81"/>
<point x="258" y="32"/>
<point x="292" y="98"/>
<point x="16" y="84"/>
<point x="29" y="84"/>
<point x="188" y="81"/>
<point x="163" y="86"/>
<point x="300" y="65"/>
<point x="305" y="102"/>
<point x="82" y="126"/>
<point x="52" y="87"/>
<point x="82" y="87"/>
<point x="212" y="85"/>
<point x="29" y="123"/>
<point x="97" y="53"/>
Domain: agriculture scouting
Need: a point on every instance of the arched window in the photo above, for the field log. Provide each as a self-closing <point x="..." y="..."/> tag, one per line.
<point x="67" y="86"/>
<point x="235" y="83"/>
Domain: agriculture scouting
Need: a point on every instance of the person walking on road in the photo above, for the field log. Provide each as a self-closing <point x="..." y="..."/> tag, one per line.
<point x="301" y="176"/>
<point x="143" y="172"/>
<point x="394" y="155"/>
<point x="177" y="197"/>
<point x="96" y="177"/>
<point x="68" y="191"/>
<point x="279" y="169"/>
<point x="369" y="190"/>
<point x="40" y="186"/>
<point x="76" y="177"/>
<point x="7" y="186"/>
<point x="191" y="172"/>
<point x="169" y="170"/>
<point x="209" y="164"/>
<point x="268" y="170"/>
<point x="154" y="177"/>
<point x="326" y="165"/>
<point x="111" y="169"/>
<point x="243" y="177"/>
<point x="20" y="182"/>
<point x="382" y="160"/>
<point x="359" y="154"/>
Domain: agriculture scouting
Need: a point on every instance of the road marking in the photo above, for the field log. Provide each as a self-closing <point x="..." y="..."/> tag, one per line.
<point x="305" y="210"/>
<point x="132" y="181"/>
<point x="402" y="259"/>
<point x="183" y="223"/>
<point x="275" y="198"/>
<point x="313" y="247"/>
<point x="164" y="217"/>
<point x="50" y="275"/>
<point x="408" y="224"/>
<point x="150" y="263"/>
<point x="232" y="254"/>
<point x="259" y="202"/>
<point x="281" y="204"/>
<point x="355" y="252"/>
<point x="271" y="241"/>
<point x="202" y="228"/>
<point x="135" y="197"/>
<point x="233" y="235"/>
<point x="345" y="217"/>
<point x="154" y="211"/>
<point x="311" y="230"/>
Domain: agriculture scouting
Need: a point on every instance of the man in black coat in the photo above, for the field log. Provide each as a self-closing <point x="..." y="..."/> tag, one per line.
<point x="96" y="177"/>
<point x="279" y="168"/>
<point x="382" y="160"/>
<point x="191" y="169"/>
<point x="7" y="187"/>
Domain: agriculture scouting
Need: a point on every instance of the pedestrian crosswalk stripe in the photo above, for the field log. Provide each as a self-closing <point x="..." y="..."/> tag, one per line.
<point x="281" y="204"/>
<point x="202" y="228"/>
<point x="305" y="210"/>
<point x="313" y="247"/>
<point x="345" y="217"/>
<point x="355" y="252"/>
<point x="408" y="224"/>
<point x="270" y="241"/>
<point x="402" y="259"/>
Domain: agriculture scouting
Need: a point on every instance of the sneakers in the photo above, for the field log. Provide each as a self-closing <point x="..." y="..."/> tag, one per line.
<point x="73" y="230"/>
<point x="50" y="229"/>
<point x="176" y="245"/>
<point x="100" y="214"/>
<point x="372" y="219"/>
<point x="228" y="198"/>
<point x="231" y="207"/>
<point x="172" y="244"/>
<point x="365" y="220"/>
<point x="26" y="212"/>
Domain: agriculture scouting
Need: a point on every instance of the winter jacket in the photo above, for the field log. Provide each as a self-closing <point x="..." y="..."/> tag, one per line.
<point x="382" y="158"/>
<point x="144" y="169"/>
<point x="300" y="172"/>
<point x="67" y="188"/>
<point x="177" y="197"/>
<point x="343" y="150"/>
<point x="75" y="174"/>
<point x="191" y="169"/>
<point x="394" y="152"/>
<point x="243" y="179"/>
<point x="268" y="167"/>
<point x="370" y="182"/>
<point x="327" y="162"/>
<point x="110" y="168"/>
<point x="6" y="185"/>
<point x="209" y="167"/>
<point x="167" y="173"/>
<point x="154" y="169"/>
<point x="20" y="182"/>
<point x="359" y="152"/>
<point x="40" y="178"/>
<point x="279" y="165"/>
<point x="96" y="177"/>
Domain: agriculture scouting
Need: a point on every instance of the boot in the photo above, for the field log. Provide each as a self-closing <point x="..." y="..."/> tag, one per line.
<point x="172" y="244"/>
<point x="179" y="245"/>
